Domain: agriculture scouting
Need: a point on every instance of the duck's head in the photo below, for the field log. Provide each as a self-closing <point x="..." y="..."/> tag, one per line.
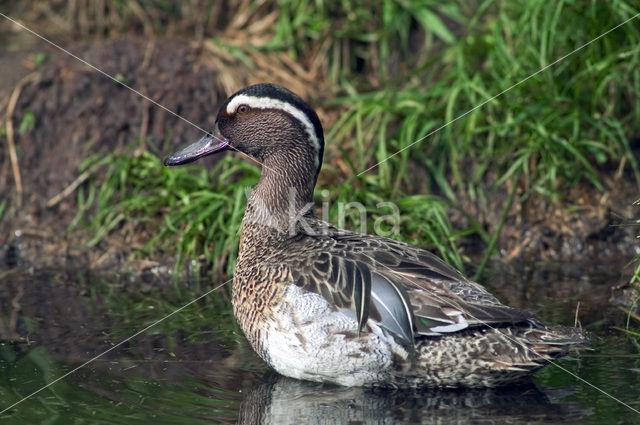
<point x="268" y="123"/>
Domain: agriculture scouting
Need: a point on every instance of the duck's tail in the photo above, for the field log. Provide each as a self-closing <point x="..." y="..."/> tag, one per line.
<point x="551" y="342"/>
<point x="492" y="356"/>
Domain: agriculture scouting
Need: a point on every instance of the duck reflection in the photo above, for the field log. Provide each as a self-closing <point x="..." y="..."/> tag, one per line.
<point x="279" y="400"/>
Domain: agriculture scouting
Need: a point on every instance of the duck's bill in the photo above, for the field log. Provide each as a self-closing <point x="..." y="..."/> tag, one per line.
<point x="209" y="144"/>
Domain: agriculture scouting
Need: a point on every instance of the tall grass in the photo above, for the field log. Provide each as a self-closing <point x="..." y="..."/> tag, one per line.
<point x="557" y="129"/>
<point x="361" y="36"/>
<point x="562" y="127"/>
<point x="408" y="78"/>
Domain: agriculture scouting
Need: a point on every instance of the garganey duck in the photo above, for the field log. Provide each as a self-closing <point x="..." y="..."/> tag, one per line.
<point x="320" y="303"/>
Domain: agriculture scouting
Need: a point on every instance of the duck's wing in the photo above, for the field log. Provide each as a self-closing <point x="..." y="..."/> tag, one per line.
<point x="406" y="290"/>
<point x="442" y="299"/>
<point x="349" y="283"/>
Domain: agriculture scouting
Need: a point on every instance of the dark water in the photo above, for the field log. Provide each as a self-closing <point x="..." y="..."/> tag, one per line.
<point x="195" y="367"/>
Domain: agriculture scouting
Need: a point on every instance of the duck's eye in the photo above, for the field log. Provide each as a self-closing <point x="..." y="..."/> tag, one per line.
<point x="242" y="108"/>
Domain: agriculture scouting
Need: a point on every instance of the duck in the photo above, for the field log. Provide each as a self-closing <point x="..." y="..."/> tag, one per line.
<point x="320" y="303"/>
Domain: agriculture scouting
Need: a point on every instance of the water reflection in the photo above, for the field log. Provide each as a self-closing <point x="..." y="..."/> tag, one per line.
<point x="279" y="400"/>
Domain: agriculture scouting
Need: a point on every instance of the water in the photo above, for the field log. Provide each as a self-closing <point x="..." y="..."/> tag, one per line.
<point x="196" y="368"/>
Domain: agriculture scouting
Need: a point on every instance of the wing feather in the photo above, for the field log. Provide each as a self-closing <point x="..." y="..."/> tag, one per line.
<point x="406" y="290"/>
<point x="392" y="302"/>
<point x="362" y="293"/>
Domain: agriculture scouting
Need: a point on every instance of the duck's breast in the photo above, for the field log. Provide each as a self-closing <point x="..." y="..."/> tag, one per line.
<point x="307" y="338"/>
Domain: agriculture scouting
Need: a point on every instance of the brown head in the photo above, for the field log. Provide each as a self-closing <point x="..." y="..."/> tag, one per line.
<point x="268" y="123"/>
<point x="279" y="130"/>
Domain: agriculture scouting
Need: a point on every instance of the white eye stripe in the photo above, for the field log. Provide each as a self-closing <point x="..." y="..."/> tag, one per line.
<point x="269" y="103"/>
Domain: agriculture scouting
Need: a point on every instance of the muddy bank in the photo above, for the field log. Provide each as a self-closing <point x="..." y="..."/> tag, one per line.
<point x="79" y="113"/>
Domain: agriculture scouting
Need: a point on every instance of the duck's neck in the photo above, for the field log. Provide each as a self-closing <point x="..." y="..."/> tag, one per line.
<point x="283" y="197"/>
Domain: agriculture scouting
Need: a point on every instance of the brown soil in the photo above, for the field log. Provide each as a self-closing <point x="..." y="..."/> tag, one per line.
<point x="80" y="112"/>
<point x="587" y="225"/>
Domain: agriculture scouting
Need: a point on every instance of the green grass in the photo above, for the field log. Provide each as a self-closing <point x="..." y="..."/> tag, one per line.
<point x="195" y="214"/>
<point x="556" y="129"/>
<point x="560" y="128"/>
<point x="416" y="219"/>
<point x="185" y="211"/>
<point x="363" y="36"/>
<point x="402" y="75"/>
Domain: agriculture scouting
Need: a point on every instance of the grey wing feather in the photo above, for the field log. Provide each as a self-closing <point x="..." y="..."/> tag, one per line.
<point x="394" y="307"/>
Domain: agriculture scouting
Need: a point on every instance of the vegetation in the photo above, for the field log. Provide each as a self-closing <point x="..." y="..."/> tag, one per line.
<point x="433" y="106"/>
<point x="410" y="80"/>
<point x="200" y="211"/>
<point x="191" y="213"/>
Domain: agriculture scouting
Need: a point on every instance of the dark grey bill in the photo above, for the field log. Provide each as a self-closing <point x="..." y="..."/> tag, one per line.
<point x="209" y="144"/>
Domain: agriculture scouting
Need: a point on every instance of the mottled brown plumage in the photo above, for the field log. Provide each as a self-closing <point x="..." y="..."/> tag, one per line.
<point x="320" y="303"/>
